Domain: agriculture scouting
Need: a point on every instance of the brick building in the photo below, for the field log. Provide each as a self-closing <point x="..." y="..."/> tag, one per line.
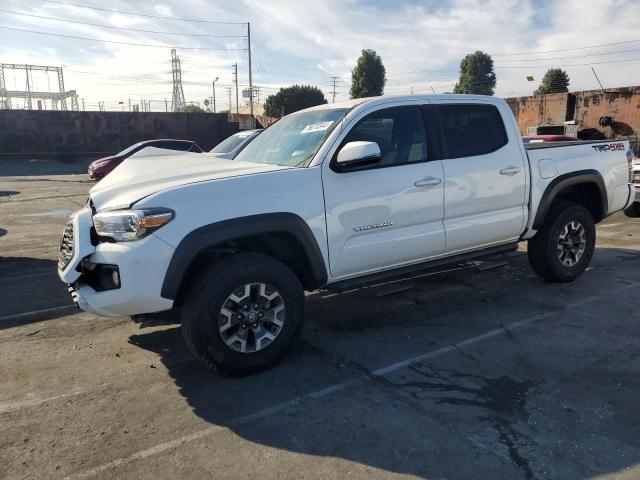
<point x="586" y="109"/>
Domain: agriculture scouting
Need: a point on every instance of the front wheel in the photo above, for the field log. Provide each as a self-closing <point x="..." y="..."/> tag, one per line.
<point x="563" y="247"/>
<point x="243" y="313"/>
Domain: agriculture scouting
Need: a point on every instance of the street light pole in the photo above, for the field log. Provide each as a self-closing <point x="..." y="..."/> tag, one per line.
<point x="214" y="94"/>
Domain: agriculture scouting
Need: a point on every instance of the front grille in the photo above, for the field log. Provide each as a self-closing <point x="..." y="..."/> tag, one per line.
<point x="66" y="246"/>
<point x="636" y="178"/>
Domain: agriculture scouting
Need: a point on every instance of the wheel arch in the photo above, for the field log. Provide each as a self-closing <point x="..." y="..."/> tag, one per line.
<point x="585" y="187"/>
<point x="283" y="235"/>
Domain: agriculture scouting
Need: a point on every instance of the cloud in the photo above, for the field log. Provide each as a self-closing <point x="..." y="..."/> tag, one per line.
<point x="421" y="43"/>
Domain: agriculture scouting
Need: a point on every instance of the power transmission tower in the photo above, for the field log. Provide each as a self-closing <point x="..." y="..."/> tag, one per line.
<point x="177" y="101"/>
<point x="333" y="84"/>
<point x="235" y="80"/>
<point x="31" y="94"/>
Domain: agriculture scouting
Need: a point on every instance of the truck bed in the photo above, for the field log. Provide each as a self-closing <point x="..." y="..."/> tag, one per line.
<point x="543" y="145"/>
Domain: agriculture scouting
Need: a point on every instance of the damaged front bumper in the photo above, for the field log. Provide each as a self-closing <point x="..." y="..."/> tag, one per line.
<point x="112" y="279"/>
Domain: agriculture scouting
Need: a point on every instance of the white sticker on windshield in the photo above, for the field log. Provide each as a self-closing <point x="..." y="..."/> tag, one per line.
<point x="316" y="127"/>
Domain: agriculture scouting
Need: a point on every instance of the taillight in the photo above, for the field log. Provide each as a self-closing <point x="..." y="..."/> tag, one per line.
<point x="630" y="158"/>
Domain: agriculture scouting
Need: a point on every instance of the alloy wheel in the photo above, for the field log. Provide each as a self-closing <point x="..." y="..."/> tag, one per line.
<point x="251" y="317"/>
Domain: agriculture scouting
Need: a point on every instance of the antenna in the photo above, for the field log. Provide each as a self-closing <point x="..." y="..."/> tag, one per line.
<point x="596" y="75"/>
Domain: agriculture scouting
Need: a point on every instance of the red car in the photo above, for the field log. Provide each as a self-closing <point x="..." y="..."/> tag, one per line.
<point x="548" y="138"/>
<point x="101" y="167"/>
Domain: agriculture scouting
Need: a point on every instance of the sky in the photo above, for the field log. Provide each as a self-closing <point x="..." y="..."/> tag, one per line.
<point x="421" y="44"/>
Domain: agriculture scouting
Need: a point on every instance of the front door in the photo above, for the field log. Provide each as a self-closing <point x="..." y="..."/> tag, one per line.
<point x="389" y="214"/>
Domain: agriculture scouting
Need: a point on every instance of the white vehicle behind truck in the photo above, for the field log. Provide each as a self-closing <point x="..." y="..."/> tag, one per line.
<point x="333" y="197"/>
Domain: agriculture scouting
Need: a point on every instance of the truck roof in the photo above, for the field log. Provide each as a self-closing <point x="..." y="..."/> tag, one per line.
<point x="394" y="98"/>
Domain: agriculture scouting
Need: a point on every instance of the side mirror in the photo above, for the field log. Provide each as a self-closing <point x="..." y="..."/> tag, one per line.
<point x="358" y="154"/>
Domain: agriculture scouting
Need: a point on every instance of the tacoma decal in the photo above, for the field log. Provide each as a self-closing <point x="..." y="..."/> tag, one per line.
<point x="371" y="227"/>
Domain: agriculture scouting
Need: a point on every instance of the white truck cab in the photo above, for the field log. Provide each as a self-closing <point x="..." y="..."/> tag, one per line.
<point x="332" y="197"/>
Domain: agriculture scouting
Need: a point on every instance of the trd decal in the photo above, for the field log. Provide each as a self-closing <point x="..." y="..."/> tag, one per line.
<point x="609" y="147"/>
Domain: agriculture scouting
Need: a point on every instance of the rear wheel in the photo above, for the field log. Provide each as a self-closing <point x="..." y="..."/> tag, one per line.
<point x="633" y="210"/>
<point x="243" y="313"/>
<point x="563" y="247"/>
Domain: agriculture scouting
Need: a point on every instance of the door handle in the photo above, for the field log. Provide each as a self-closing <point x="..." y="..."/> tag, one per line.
<point x="510" y="170"/>
<point x="428" y="182"/>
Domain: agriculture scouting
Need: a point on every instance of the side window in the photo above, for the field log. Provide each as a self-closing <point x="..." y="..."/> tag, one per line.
<point x="399" y="132"/>
<point x="470" y="130"/>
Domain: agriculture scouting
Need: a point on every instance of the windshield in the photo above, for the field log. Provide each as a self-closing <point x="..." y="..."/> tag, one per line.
<point x="292" y="140"/>
<point x="230" y="143"/>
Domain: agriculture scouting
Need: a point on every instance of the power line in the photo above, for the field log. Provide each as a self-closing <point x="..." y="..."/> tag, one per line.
<point x="121" y="28"/>
<point x="573" y="56"/>
<point x="121" y="43"/>
<point x="524" y="67"/>
<point x="567" y="49"/>
<point x="143" y="14"/>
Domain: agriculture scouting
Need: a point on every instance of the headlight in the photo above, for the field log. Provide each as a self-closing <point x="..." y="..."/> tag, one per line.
<point x="128" y="225"/>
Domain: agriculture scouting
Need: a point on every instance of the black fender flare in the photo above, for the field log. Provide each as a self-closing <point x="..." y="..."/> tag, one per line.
<point x="563" y="181"/>
<point x="219" y="232"/>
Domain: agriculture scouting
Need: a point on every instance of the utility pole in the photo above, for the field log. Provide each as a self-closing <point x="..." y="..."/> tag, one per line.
<point x="251" y="125"/>
<point x="166" y="105"/>
<point x="229" y="95"/>
<point x="235" y="79"/>
<point x="214" y="94"/>
<point x="27" y="70"/>
<point x="333" y="84"/>
<point x="83" y="104"/>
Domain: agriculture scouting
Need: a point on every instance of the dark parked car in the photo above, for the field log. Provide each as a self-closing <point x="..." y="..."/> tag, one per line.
<point x="101" y="167"/>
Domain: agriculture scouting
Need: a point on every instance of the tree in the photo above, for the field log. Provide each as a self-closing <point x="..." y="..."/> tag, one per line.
<point x="555" y="80"/>
<point x="193" y="109"/>
<point x="369" y="76"/>
<point x="291" y="99"/>
<point x="476" y="74"/>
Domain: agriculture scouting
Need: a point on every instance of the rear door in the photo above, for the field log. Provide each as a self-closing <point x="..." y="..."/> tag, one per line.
<point x="391" y="213"/>
<point x="485" y="176"/>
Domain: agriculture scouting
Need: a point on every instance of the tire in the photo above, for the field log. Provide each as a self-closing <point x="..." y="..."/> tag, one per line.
<point x="239" y="350"/>
<point x="633" y="210"/>
<point x="544" y="250"/>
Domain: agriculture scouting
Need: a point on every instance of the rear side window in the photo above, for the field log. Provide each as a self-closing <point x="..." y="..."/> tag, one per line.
<point x="172" y="145"/>
<point x="470" y="130"/>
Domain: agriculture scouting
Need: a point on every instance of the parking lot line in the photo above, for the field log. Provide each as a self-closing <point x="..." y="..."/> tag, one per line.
<point x="34" y="273"/>
<point x="36" y="312"/>
<point x="503" y="330"/>
<point x="15" y="405"/>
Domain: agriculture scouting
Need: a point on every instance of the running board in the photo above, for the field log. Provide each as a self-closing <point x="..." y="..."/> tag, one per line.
<point x="410" y="271"/>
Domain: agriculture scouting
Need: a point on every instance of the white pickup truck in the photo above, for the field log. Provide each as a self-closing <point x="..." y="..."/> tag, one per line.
<point x="332" y="197"/>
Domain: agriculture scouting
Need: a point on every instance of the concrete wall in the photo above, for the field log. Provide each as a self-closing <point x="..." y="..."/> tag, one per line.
<point x="81" y="135"/>
<point x="585" y="108"/>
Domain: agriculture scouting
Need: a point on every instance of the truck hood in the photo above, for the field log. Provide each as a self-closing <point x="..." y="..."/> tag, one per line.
<point x="153" y="169"/>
